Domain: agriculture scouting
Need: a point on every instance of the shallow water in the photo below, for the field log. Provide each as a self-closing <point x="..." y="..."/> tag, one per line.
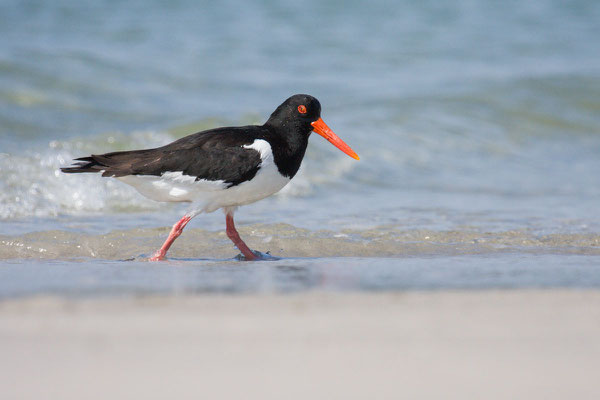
<point x="282" y="240"/>
<point x="474" y="122"/>
<point x="381" y="258"/>
<point x="181" y="277"/>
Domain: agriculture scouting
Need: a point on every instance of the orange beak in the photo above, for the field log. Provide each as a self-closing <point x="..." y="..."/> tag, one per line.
<point x="322" y="129"/>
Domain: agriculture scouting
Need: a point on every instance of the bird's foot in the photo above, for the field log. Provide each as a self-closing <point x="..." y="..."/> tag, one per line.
<point x="158" y="256"/>
<point x="256" y="256"/>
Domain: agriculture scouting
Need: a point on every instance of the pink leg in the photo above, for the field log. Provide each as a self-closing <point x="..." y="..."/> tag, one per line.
<point x="175" y="232"/>
<point x="235" y="238"/>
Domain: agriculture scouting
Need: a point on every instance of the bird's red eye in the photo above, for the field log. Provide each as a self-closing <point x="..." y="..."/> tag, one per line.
<point x="302" y="109"/>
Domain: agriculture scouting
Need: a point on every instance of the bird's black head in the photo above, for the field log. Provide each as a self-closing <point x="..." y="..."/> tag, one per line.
<point x="301" y="114"/>
<point x="299" y="111"/>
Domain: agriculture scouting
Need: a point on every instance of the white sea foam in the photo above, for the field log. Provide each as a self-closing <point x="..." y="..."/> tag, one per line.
<point x="31" y="183"/>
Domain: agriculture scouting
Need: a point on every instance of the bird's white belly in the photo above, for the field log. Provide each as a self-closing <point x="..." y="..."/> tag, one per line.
<point x="266" y="182"/>
<point x="212" y="195"/>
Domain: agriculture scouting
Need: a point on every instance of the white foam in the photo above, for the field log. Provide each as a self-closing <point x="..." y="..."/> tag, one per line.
<point x="31" y="183"/>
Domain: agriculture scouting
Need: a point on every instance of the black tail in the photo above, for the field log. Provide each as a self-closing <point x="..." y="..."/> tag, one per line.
<point x="85" y="164"/>
<point x="119" y="163"/>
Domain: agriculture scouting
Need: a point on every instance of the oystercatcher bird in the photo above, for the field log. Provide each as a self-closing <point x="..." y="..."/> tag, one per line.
<point x="220" y="168"/>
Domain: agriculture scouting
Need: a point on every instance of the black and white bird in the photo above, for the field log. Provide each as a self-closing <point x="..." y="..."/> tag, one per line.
<point x="220" y="168"/>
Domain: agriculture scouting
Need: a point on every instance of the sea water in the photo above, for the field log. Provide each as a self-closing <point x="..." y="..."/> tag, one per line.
<point x="477" y="123"/>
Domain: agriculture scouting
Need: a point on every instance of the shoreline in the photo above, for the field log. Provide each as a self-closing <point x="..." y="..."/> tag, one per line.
<point x="426" y="344"/>
<point x="287" y="241"/>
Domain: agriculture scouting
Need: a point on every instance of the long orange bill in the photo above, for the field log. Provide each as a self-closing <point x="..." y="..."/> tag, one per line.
<point x="322" y="129"/>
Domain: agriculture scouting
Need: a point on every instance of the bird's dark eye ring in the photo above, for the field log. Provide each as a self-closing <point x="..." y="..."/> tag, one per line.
<point x="302" y="109"/>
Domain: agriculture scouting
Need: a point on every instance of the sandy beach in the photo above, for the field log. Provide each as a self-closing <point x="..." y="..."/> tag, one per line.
<point x="458" y="259"/>
<point x="534" y="344"/>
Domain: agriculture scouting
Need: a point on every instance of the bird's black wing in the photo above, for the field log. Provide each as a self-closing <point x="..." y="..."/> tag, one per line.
<point x="214" y="155"/>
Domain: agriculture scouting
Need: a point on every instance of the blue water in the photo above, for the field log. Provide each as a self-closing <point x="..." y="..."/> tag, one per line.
<point x="467" y="115"/>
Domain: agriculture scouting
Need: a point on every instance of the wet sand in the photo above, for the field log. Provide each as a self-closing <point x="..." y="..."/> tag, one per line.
<point x="284" y="240"/>
<point x="419" y="344"/>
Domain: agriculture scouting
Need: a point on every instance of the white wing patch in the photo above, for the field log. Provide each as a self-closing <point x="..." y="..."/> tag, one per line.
<point x="178" y="176"/>
<point x="172" y="186"/>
